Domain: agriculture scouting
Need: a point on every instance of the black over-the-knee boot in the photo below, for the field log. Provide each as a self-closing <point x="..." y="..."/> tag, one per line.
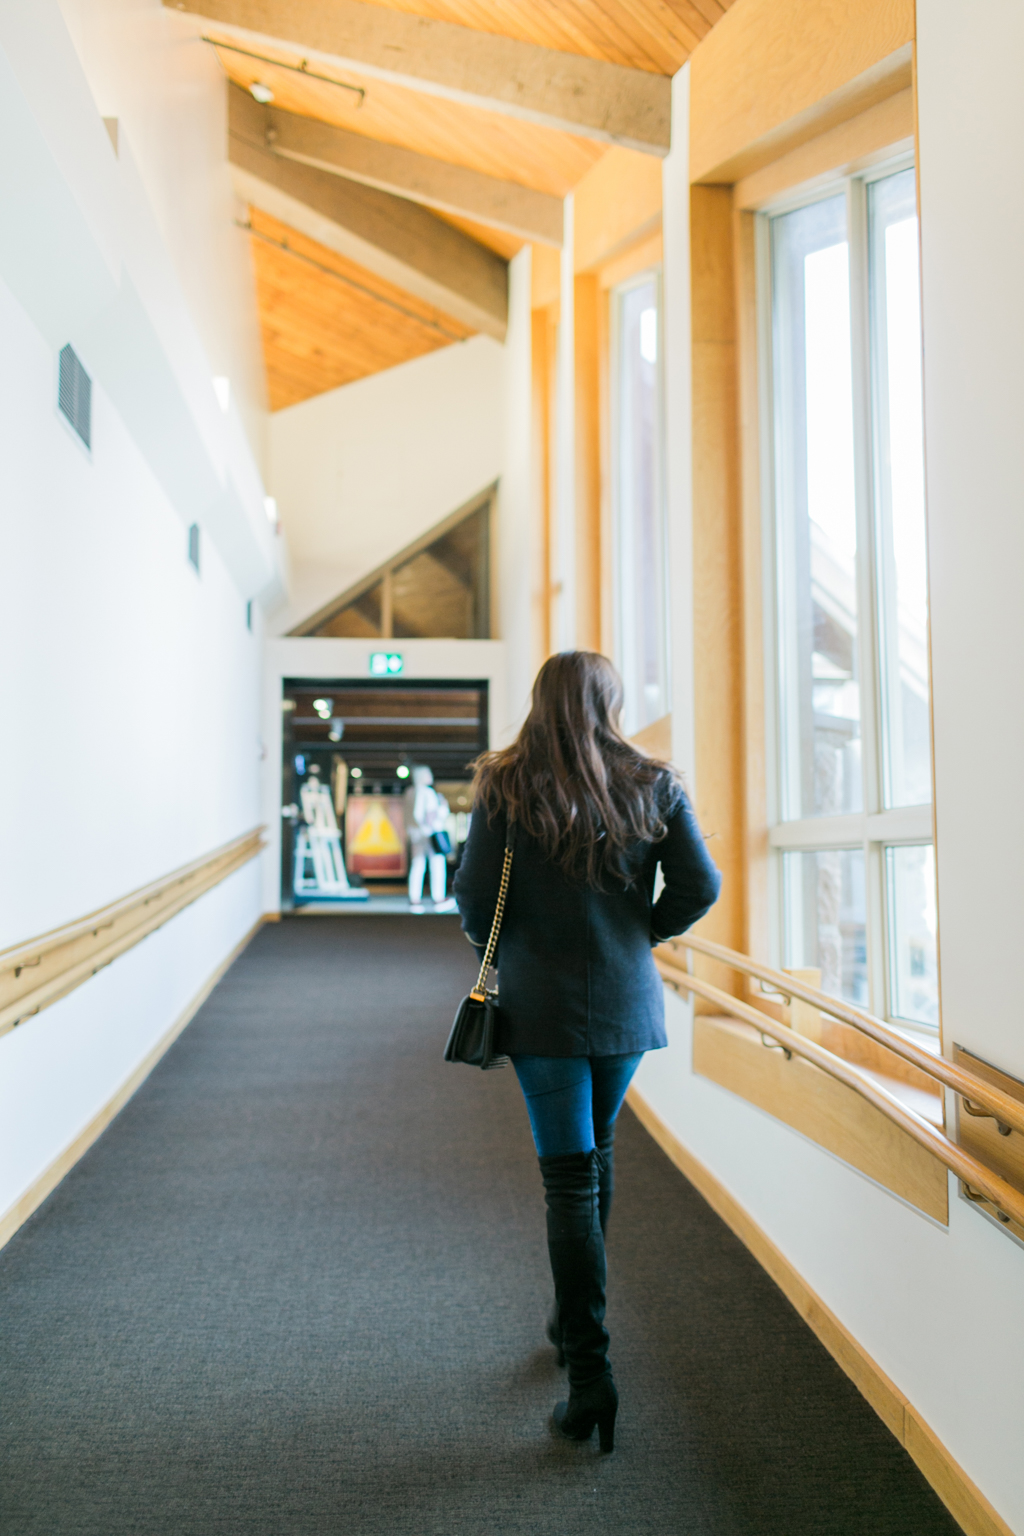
<point x="576" y="1249"/>
<point x="605" y="1189"/>
<point x="606" y="1181"/>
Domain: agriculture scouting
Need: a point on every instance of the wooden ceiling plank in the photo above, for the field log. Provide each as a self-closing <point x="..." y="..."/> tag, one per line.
<point x="632" y="31"/>
<point x="342" y="338"/>
<point x="711" y="10"/>
<point x="454" y="189"/>
<point x="297" y="369"/>
<point x="610" y="102"/>
<point x="677" y="26"/>
<point x="291" y="243"/>
<point x="612" y="30"/>
<point x="366" y="337"/>
<point x="588" y="30"/>
<point x="322" y="347"/>
<point x="327" y="322"/>
<point x="400" y="241"/>
<point x="365" y="322"/>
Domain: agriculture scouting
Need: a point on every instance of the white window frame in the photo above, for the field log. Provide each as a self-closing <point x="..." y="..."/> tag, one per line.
<point x="615" y="294"/>
<point x="876" y="828"/>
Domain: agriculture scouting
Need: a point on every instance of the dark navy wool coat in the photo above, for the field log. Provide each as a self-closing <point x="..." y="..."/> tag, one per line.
<point x="575" y="970"/>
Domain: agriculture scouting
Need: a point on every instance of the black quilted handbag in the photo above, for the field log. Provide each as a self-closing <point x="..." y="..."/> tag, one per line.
<point x="474" y="1032"/>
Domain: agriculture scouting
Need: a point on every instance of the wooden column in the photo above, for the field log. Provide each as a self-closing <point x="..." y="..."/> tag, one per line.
<point x="540" y="582"/>
<point x="717" y="570"/>
<point x="587" y="360"/>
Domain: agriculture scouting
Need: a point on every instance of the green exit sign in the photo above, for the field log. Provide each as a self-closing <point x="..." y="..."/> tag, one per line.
<point x="385" y="663"/>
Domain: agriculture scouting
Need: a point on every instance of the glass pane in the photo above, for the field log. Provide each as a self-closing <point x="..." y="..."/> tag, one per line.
<point x="825" y="920"/>
<point x="899" y="472"/>
<point x="640" y="530"/>
<point x="819" y="688"/>
<point x="358" y="619"/>
<point x="913" y="954"/>
<point x="442" y="592"/>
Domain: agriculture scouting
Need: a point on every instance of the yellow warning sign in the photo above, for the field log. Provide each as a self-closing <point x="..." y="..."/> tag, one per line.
<point x="377" y="834"/>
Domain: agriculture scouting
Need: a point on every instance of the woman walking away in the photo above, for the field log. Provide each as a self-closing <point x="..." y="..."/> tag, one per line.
<point x="581" y="998"/>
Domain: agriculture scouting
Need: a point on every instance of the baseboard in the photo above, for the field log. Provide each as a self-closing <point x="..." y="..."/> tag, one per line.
<point x="51" y="1176"/>
<point x="964" y="1500"/>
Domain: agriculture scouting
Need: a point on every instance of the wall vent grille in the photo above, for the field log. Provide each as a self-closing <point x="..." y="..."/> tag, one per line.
<point x="193" y="545"/>
<point x="74" y="394"/>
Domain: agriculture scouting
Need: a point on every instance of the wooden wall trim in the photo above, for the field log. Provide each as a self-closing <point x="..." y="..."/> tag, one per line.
<point x="40" y="971"/>
<point x="883" y="130"/>
<point x="543" y="363"/>
<point x="647" y="255"/>
<point x="17" y="1214"/>
<point x="824" y="1110"/>
<point x="587" y="302"/>
<point x="545" y="276"/>
<point x="980" y="1135"/>
<point x="962" y="1497"/>
<point x="774" y="73"/>
<point x="617" y="203"/>
<point x="656" y="739"/>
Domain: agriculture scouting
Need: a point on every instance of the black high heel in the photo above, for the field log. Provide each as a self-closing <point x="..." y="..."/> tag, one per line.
<point x="597" y="1403"/>
<point x="553" y="1330"/>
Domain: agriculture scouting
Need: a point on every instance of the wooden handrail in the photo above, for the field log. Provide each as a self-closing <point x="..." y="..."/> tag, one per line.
<point x="1004" y="1109"/>
<point x="1002" y="1195"/>
<point x="42" y="970"/>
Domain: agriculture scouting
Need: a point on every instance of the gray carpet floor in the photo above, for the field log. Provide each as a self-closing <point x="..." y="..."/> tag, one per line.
<point x="298" y="1287"/>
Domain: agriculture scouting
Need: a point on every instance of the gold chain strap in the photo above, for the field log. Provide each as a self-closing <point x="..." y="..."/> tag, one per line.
<point x="479" y="992"/>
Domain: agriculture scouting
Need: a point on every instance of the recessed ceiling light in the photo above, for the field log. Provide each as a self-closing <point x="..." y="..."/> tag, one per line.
<point x="324" y="708"/>
<point x="357" y="773"/>
<point x="402" y="771"/>
<point x="261" y="93"/>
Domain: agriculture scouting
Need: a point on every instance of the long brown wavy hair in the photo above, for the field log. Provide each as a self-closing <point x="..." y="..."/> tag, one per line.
<point x="571" y="780"/>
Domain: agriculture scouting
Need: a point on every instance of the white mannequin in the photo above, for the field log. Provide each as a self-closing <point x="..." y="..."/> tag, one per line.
<point x="428" y="813"/>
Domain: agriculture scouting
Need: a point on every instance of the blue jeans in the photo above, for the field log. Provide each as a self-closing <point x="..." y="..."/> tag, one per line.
<point x="572" y="1101"/>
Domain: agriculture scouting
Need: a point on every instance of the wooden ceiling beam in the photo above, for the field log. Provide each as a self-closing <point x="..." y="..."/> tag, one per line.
<point x="390" y="168"/>
<point x="610" y="102"/>
<point x="399" y="241"/>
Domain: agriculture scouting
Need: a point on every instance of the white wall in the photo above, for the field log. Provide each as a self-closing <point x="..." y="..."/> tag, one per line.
<point x="972" y="217"/>
<point x="82" y="250"/>
<point x="360" y="472"/>
<point x="130" y="689"/>
<point x="146" y="67"/>
<point x="938" y="1308"/>
<point x="342" y="660"/>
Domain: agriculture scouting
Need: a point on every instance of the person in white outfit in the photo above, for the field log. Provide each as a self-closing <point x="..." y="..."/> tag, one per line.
<point x="427" y="816"/>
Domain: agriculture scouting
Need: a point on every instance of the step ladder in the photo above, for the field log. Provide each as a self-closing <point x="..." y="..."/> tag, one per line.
<point x="319" y="860"/>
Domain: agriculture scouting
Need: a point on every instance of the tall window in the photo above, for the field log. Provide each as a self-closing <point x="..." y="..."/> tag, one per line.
<point x="852" y="791"/>
<point x="640" y="608"/>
